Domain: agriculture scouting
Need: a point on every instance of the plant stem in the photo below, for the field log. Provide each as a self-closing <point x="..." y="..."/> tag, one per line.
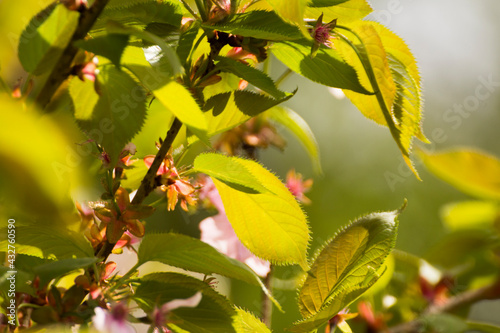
<point x="189" y="9"/>
<point x="201" y="10"/>
<point x="267" y="305"/>
<point x="464" y="299"/>
<point x="283" y="76"/>
<point x="62" y="69"/>
<point x="148" y="182"/>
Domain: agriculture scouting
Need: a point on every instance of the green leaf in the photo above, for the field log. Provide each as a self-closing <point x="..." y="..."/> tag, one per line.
<point x="271" y="225"/>
<point x="170" y="62"/>
<point x="298" y="126"/>
<point x="257" y="24"/>
<point x="23" y="281"/>
<point x="186" y="41"/>
<point x="194" y="255"/>
<point x="54" y="269"/>
<point x="49" y="242"/>
<point x="248" y="73"/>
<point x="291" y="11"/>
<point x="228" y="110"/>
<point x="46" y="36"/>
<point x="483" y="327"/>
<point x="346" y="267"/>
<point x="396" y="102"/>
<point x="470" y="170"/>
<point x="110" y="46"/>
<point x="213" y="314"/>
<point x="246" y="322"/>
<point x="342" y="10"/>
<point x="442" y="322"/>
<point x="181" y="103"/>
<point x="228" y="170"/>
<point x="141" y="14"/>
<point x="113" y="117"/>
<point x="327" y="67"/>
<point x="470" y="215"/>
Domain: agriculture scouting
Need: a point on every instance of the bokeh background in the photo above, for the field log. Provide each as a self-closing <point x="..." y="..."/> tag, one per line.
<point x="456" y="43"/>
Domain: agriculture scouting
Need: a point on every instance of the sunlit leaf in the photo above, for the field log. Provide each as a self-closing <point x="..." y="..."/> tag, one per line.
<point x="110" y="46"/>
<point x="54" y="269"/>
<point x="254" y="76"/>
<point x="186" y="41"/>
<point x="258" y="24"/>
<point x="228" y="110"/>
<point x="45" y="37"/>
<point x="396" y="102"/>
<point x="227" y="169"/>
<point x="271" y="225"/>
<point x="298" y="126"/>
<point x="346" y="267"/>
<point x="113" y="117"/>
<point x="246" y="322"/>
<point x="327" y="67"/>
<point x="291" y="11"/>
<point x="343" y="10"/>
<point x="179" y="101"/>
<point x="470" y="214"/>
<point x="49" y="242"/>
<point x="141" y="14"/>
<point x="194" y="255"/>
<point x="469" y="170"/>
<point x="483" y="327"/>
<point x="213" y="314"/>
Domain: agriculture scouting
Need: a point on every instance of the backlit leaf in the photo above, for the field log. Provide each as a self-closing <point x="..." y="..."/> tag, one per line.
<point x="227" y="169"/>
<point x="49" y="242"/>
<point x="258" y="24"/>
<point x="54" y="269"/>
<point x="213" y="314"/>
<point x="327" y="67"/>
<point x="298" y="126"/>
<point x="291" y="11"/>
<point x="227" y="110"/>
<point x="396" y="102"/>
<point x="469" y="170"/>
<point x="271" y="225"/>
<point x="43" y="40"/>
<point x="470" y="214"/>
<point x="113" y="117"/>
<point x="346" y="267"/>
<point x="110" y="46"/>
<point x="254" y="76"/>
<point x="194" y="255"/>
<point x="343" y="10"/>
<point x="246" y="322"/>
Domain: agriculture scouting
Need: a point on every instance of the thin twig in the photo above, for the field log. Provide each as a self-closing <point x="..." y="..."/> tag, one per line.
<point x="148" y="182"/>
<point x="62" y="69"/>
<point x="267" y="304"/>
<point x="464" y="299"/>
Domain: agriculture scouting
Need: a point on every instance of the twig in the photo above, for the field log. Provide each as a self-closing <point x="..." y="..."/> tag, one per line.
<point x="267" y="305"/>
<point x="62" y="69"/>
<point x="148" y="182"/>
<point x="464" y="299"/>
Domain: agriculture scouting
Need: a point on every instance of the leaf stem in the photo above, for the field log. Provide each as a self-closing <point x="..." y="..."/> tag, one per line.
<point x="267" y="305"/>
<point x="202" y="10"/>
<point x="283" y="77"/>
<point x="124" y="277"/>
<point x="190" y="10"/>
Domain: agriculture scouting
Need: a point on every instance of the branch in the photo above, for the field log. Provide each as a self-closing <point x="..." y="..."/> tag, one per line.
<point x="464" y="299"/>
<point x="62" y="69"/>
<point x="148" y="182"/>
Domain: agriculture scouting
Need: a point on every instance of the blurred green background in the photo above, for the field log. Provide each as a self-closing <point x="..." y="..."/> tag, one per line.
<point x="456" y="43"/>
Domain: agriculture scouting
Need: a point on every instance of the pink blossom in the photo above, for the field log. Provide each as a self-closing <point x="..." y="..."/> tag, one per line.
<point x="114" y="321"/>
<point x="298" y="186"/>
<point x="218" y="232"/>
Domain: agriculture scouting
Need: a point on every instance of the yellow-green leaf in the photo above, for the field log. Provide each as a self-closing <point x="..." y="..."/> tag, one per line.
<point x="470" y="214"/>
<point x="271" y="225"/>
<point x="346" y="267"/>
<point x="344" y="12"/>
<point x="395" y="81"/>
<point x="291" y="11"/>
<point x="246" y="322"/>
<point x="469" y="170"/>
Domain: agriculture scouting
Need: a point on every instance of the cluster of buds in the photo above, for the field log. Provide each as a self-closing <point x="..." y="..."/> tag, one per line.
<point x="172" y="182"/>
<point x="258" y="132"/>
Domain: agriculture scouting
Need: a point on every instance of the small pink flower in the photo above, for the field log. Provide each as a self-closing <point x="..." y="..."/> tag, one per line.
<point x="114" y="321"/>
<point x="218" y="232"/>
<point x="298" y="186"/>
<point x="321" y="33"/>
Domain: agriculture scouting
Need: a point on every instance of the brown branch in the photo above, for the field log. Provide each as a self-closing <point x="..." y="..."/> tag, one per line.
<point x="62" y="69"/>
<point x="464" y="299"/>
<point x="148" y="182"/>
